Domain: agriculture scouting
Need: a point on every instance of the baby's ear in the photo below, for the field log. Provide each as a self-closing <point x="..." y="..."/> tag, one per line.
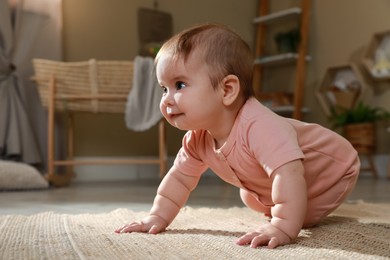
<point x="230" y="88"/>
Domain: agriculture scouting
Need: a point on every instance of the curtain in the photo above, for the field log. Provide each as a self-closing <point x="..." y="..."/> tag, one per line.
<point x="28" y="29"/>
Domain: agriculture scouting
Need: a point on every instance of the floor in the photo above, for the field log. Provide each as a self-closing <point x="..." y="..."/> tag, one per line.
<point x="138" y="195"/>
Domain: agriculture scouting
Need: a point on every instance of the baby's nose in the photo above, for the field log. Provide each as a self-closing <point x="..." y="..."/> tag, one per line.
<point x="167" y="99"/>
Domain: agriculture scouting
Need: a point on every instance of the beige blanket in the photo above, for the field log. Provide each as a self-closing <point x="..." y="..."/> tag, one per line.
<point x="354" y="231"/>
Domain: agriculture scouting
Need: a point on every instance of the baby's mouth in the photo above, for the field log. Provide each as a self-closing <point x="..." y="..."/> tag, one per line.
<point x="171" y="114"/>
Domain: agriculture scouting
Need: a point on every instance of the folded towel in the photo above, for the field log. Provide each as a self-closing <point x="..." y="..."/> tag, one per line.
<point x="143" y="102"/>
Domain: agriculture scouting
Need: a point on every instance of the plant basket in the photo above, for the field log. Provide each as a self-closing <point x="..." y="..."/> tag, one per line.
<point x="361" y="136"/>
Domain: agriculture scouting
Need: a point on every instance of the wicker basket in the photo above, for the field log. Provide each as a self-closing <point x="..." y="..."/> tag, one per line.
<point x="362" y="137"/>
<point x="85" y="78"/>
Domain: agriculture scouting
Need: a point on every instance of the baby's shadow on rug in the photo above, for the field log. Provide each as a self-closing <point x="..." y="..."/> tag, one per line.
<point x="348" y="234"/>
<point x="197" y="231"/>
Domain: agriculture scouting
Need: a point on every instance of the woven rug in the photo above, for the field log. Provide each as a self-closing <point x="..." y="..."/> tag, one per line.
<point x="354" y="231"/>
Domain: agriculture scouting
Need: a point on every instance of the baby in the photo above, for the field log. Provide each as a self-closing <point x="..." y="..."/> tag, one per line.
<point x="294" y="172"/>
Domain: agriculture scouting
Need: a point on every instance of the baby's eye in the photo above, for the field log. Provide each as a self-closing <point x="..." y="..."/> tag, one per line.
<point x="164" y="89"/>
<point x="180" y="85"/>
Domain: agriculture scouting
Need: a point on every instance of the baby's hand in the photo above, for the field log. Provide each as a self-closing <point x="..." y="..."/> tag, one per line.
<point x="267" y="234"/>
<point x="152" y="224"/>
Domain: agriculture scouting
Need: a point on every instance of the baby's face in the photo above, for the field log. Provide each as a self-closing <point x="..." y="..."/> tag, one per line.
<point x="189" y="101"/>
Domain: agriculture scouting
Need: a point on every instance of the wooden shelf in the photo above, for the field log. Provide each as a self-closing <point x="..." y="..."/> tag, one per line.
<point x="380" y="78"/>
<point x="299" y="58"/>
<point x="273" y="17"/>
<point x="342" y="86"/>
<point x="379" y="41"/>
<point x="279" y="102"/>
<point x="279" y="59"/>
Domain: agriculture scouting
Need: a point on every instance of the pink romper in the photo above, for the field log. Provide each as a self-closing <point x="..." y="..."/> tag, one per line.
<point x="260" y="142"/>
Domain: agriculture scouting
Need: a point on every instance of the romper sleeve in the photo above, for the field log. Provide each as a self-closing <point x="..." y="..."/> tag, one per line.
<point x="188" y="159"/>
<point x="276" y="143"/>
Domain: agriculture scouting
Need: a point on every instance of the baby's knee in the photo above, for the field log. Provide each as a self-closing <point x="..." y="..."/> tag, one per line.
<point x="321" y="206"/>
<point x="311" y="221"/>
<point x="251" y="202"/>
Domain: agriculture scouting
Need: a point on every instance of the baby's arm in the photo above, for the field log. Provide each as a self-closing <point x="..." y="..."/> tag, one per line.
<point x="289" y="194"/>
<point x="172" y="194"/>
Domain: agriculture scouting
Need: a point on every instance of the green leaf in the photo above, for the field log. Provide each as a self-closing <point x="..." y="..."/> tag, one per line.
<point x="361" y="113"/>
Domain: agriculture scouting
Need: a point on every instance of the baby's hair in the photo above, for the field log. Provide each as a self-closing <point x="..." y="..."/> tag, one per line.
<point x="223" y="50"/>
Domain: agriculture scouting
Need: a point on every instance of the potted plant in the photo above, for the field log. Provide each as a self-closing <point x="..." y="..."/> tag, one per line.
<point x="358" y="125"/>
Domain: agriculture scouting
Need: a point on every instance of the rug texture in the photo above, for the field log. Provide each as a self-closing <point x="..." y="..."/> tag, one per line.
<point x="354" y="231"/>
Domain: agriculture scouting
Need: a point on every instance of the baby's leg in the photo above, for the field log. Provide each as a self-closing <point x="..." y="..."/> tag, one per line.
<point x="321" y="206"/>
<point x="251" y="202"/>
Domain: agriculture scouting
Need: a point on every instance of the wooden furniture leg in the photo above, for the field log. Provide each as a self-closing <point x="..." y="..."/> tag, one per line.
<point x="57" y="180"/>
<point x="70" y="147"/>
<point x="50" y="130"/>
<point x="301" y="64"/>
<point x="388" y="169"/>
<point x="388" y="162"/>
<point x="259" y="49"/>
<point x="371" y="165"/>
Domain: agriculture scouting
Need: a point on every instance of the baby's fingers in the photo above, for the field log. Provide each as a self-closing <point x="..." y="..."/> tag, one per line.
<point x="246" y="239"/>
<point x="255" y="239"/>
<point x="132" y="227"/>
<point x="274" y="242"/>
<point x="155" y="229"/>
<point x="262" y="239"/>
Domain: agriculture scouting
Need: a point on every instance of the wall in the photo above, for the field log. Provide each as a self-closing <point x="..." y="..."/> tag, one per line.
<point x="340" y="31"/>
